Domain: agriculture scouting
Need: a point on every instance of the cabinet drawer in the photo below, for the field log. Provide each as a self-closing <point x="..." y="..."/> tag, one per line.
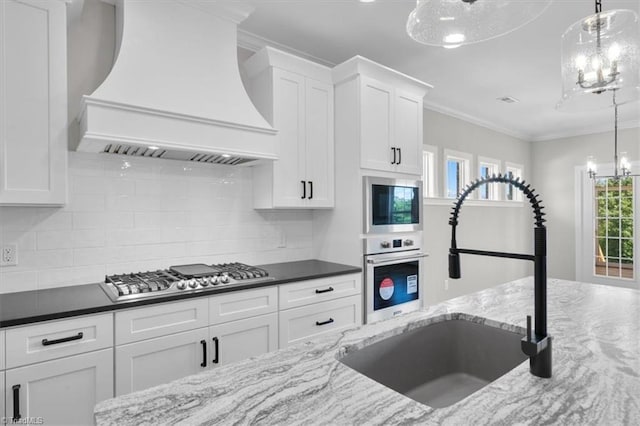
<point x="320" y="290"/>
<point x="303" y="323"/>
<point x="57" y="339"/>
<point x="242" y="304"/>
<point x="159" y="320"/>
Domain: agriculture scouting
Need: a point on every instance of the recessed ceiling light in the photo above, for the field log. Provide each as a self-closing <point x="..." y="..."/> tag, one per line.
<point x="367" y="1"/>
<point x="508" y="99"/>
<point x="153" y="147"/>
<point x="451" y="46"/>
<point x="447" y="18"/>
<point x="226" y="155"/>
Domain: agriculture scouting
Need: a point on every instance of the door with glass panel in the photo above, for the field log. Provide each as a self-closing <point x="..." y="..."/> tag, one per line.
<point x="610" y="232"/>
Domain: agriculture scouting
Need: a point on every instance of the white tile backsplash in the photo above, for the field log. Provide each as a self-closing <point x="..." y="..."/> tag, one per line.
<point x="130" y="214"/>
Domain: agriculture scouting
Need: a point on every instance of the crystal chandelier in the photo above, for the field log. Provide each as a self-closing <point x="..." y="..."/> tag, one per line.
<point x="453" y="23"/>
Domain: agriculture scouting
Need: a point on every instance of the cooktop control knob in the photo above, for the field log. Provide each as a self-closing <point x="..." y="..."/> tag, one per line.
<point x="193" y="283"/>
<point x="408" y="242"/>
<point x="385" y="244"/>
<point x="215" y="280"/>
<point x="205" y="281"/>
<point x="181" y="285"/>
<point x="224" y="279"/>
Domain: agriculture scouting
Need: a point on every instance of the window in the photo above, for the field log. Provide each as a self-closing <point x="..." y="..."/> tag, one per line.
<point x="488" y="167"/>
<point x="429" y="161"/>
<point x="456" y="172"/>
<point x="513" y="171"/>
<point x="614" y="225"/>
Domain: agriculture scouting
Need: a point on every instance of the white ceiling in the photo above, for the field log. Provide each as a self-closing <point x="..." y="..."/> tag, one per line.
<point x="524" y="64"/>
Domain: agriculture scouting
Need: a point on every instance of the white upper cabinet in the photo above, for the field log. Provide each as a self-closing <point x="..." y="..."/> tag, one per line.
<point x="296" y="97"/>
<point x="388" y="117"/>
<point x="33" y="102"/>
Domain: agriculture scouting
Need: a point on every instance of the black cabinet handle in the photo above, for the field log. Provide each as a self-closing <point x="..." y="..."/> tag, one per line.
<point x="399" y="155"/>
<point x="394" y="155"/>
<point x="16" y="402"/>
<point x="326" y="290"/>
<point x="217" y="343"/>
<point x="310" y="189"/>
<point x="204" y="353"/>
<point x="329" y="321"/>
<point x="304" y="189"/>
<point x="47" y="342"/>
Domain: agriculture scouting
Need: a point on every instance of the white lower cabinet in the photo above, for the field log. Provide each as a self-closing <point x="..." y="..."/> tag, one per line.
<point x="2" y="413"/>
<point x="156" y="361"/>
<point x="60" y="392"/>
<point x="238" y="340"/>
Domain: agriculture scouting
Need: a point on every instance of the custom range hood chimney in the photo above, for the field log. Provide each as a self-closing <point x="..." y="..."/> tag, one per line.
<point x="175" y="90"/>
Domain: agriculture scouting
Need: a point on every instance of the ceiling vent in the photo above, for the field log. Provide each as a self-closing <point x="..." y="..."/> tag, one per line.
<point x="508" y="99"/>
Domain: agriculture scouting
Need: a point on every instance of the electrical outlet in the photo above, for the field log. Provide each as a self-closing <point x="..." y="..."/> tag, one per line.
<point x="9" y="255"/>
<point x="446" y="285"/>
<point x="283" y="240"/>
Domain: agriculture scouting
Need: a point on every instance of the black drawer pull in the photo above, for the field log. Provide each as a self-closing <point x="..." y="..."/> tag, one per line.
<point x="326" y="290"/>
<point x="399" y="156"/>
<point x="47" y="342"/>
<point x="204" y="353"/>
<point x="16" y="402"/>
<point x="216" y="347"/>
<point x="394" y="155"/>
<point x="329" y="321"/>
<point x="304" y="189"/>
<point x="310" y="189"/>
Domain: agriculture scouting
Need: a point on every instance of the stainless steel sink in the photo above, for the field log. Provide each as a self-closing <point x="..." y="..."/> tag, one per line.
<point x="441" y="363"/>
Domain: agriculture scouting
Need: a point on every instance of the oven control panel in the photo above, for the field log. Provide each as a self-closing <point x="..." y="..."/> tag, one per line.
<point x="392" y="242"/>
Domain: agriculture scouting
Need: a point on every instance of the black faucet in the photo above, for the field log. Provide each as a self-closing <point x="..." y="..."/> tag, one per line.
<point x="538" y="345"/>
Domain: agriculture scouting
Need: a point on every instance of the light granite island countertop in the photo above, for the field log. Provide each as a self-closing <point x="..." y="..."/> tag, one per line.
<point x="596" y="372"/>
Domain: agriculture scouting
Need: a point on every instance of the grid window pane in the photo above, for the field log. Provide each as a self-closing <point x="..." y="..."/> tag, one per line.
<point x="614" y="223"/>
<point x="454" y="178"/>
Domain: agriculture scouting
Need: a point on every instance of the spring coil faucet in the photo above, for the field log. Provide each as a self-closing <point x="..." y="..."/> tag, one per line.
<point x="538" y="345"/>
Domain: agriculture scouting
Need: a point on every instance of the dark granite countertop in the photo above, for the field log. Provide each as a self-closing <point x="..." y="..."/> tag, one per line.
<point x="43" y="305"/>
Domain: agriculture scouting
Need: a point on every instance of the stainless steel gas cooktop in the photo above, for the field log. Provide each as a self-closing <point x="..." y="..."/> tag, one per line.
<point x="181" y="278"/>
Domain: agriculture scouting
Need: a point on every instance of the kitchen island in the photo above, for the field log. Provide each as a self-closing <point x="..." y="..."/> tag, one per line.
<point x="596" y="372"/>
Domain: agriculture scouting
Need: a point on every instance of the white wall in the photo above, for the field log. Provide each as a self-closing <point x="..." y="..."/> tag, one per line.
<point x="481" y="227"/>
<point x="554" y="163"/>
<point x="137" y="214"/>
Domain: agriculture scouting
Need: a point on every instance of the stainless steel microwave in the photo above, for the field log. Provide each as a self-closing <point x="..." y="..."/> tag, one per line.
<point x="392" y="205"/>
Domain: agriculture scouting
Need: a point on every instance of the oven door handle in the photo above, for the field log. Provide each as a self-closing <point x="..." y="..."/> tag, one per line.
<point x="413" y="256"/>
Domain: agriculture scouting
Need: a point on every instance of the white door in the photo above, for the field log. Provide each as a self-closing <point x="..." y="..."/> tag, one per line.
<point x="376" y="125"/>
<point x="607" y="235"/>
<point x="60" y="392"/>
<point x="289" y="183"/>
<point x="237" y="340"/>
<point x="156" y="361"/>
<point x="319" y="143"/>
<point x="33" y="102"/>
<point x="408" y="132"/>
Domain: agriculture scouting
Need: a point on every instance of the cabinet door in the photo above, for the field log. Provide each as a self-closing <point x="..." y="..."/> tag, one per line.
<point x="408" y="132"/>
<point x="63" y="391"/>
<point x="376" y="127"/>
<point x="156" y="361"/>
<point x="33" y="102"/>
<point x="238" y="340"/>
<point x="288" y="170"/>
<point x="319" y="146"/>
<point x="2" y="412"/>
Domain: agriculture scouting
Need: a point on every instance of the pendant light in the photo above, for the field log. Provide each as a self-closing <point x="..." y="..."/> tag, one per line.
<point x="600" y="55"/>
<point x="453" y="23"/>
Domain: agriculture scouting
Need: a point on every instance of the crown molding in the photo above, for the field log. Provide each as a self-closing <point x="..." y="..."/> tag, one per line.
<point x="589" y="130"/>
<point x="254" y="42"/>
<point x="474" y="120"/>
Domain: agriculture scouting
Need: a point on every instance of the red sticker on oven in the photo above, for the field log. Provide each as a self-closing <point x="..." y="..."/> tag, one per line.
<point x="386" y="289"/>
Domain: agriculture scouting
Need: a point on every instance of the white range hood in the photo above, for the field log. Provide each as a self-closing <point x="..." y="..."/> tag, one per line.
<point x="175" y="90"/>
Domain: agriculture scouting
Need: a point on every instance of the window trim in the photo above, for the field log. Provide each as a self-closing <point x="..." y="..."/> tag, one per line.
<point x="467" y="160"/>
<point x="430" y="186"/>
